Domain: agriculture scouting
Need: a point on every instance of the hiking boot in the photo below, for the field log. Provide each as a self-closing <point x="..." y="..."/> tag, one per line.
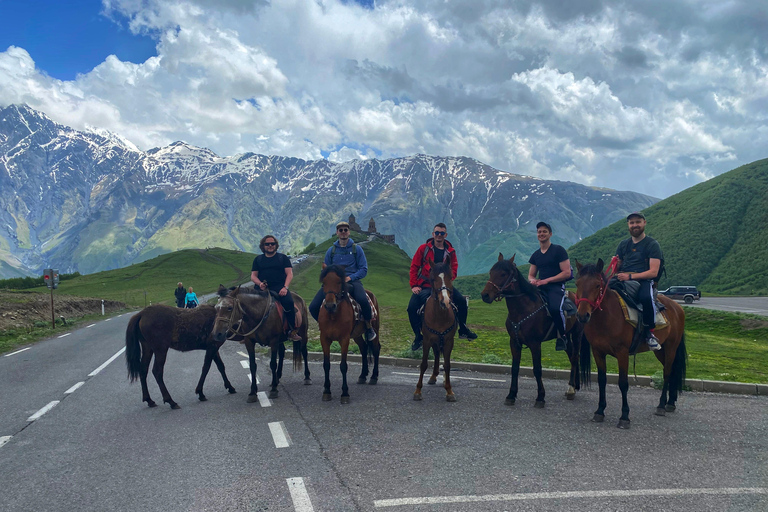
<point x="466" y="334"/>
<point x="653" y="342"/>
<point x="560" y="343"/>
<point x="294" y="336"/>
<point x="370" y="334"/>
<point x="416" y="345"/>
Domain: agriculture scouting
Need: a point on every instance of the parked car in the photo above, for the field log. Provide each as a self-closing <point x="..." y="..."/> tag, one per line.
<point x="684" y="293"/>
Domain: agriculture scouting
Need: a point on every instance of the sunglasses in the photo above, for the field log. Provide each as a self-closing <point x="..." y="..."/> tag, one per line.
<point x="440" y="233"/>
<point x="342" y="230"/>
<point x="269" y="243"/>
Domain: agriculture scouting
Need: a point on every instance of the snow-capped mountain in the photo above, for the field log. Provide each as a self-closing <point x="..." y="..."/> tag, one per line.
<point x="90" y="201"/>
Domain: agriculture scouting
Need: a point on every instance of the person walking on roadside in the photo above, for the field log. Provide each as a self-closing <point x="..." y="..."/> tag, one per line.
<point x="551" y="263"/>
<point x="641" y="259"/>
<point x="437" y="248"/>
<point x="351" y="256"/>
<point x="180" y="293"/>
<point x="190" y="300"/>
<point x="273" y="271"/>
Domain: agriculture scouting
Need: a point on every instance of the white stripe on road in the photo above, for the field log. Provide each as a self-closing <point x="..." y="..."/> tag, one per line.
<point x="565" y="495"/>
<point x="4" y="439"/>
<point x="246" y="355"/>
<point x="299" y="495"/>
<point x="63" y="335"/>
<point x="279" y="435"/>
<point x="263" y="400"/>
<point x="97" y="370"/>
<point x="44" y="410"/>
<point x="74" y="388"/>
<point x="258" y="380"/>
<point x="90" y="326"/>
<point x="452" y="377"/>
<point x="108" y="319"/>
<point x="245" y="364"/>
<point x="17" y="352"/>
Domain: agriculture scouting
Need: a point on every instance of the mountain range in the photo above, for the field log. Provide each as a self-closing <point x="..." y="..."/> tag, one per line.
<point x="90" y="200"/>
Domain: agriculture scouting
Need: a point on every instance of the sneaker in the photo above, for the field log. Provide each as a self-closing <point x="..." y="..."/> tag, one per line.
<point x="466" y="334"/>
<point x="370" y="334"/>
<point x="416" y="345"/>
<point x="653" y="342"/>
<point x="294" y="336"/>
<point x="560" y="343"/>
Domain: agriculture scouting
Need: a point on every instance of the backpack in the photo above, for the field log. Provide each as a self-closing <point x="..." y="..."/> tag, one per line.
<point x="333" y="251"/>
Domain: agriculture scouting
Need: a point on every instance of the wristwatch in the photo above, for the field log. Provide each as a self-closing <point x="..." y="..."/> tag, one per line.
<point x="630" y="277"/>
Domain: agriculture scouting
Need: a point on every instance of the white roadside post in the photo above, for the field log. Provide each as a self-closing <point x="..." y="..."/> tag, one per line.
<point x="102" y="307"/>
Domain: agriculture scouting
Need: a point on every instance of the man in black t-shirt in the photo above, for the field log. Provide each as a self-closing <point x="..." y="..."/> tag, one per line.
<point x="640" y="260"/>
<point x="551" y="263"/>
<point x="273" y="270"/>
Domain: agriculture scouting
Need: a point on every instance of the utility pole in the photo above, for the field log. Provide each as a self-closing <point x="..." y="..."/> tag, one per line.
<point x="51" y="279"/>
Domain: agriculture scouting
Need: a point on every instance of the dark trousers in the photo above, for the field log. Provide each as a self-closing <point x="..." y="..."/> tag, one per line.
<point x="645" y="297"/>
<point x="554" y="295"/>
<point x="356" y="290"/>
<point x="288" y="310"/>
<point x="418" y="299"/>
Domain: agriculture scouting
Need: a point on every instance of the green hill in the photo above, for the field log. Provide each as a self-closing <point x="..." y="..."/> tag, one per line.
<point x="713" y="235"/>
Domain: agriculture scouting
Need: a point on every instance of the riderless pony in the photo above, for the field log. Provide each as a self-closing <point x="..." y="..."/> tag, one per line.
<point x="339" y="320"/>
<point x="438" y="327"/>
<point x="528" y="323"/>
<point x="155" y="329"/>
<point x="610" y="333"/>
<point x="253" y="316"/>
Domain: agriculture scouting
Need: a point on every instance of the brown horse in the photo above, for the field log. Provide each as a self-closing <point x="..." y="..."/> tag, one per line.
<point x="528" y="323"/>
<point x="337" y="323"/>
<point x="155" y="329"/>
<point x="438" y="328"/>
<point x="251" y="316"/>
<point x="609" y="334"/>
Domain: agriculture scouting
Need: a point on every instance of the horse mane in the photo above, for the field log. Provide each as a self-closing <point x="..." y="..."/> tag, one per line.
<point x="438" y="268"/>
<point x="525" y="287"/>
<point x="591" y="269"/>
<point x="336" y="269"/>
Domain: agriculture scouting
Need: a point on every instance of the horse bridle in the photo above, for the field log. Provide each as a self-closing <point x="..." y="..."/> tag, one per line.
<point x="603" y="287"/>
<point x="507" y="284"/>
<point x="236" y="332"/>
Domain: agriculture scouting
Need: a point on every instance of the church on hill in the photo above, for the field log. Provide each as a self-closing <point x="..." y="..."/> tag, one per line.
<point x="354" y="226"/>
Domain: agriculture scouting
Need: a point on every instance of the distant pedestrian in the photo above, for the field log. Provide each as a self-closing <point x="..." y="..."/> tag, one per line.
<point x="181" y="295"/>
<point x="191" y="299"/>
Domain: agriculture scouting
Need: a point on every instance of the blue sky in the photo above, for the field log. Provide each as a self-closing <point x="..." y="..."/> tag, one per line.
<point x="652" y="96"/>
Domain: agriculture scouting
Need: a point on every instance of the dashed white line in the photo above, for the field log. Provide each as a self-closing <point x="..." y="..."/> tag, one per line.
<point x="74" y="388"/>
<point x="242" y="353"/>
<point x="17" y="352"/>
<point x="108" y="319"/>
<point x="245" y="364"/>
<point x="258" y="380"/>
<point x="399" y="502"/>
<point x="63" y="335"/>
<point x="452" y="377"/>
<point x="44" y="410"/>
<point x="4" y="439"/>
<point x="97" y="370"/>
<point x="263" y="400"/>
<point x="90" y="326"/>
<point x="279" y="434"/>
<point x="299" y="495"/>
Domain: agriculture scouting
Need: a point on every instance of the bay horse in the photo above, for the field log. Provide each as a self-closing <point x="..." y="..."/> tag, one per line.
<point x="528" y="323"/>
<point x="337" y="323"/>
<point x="609" y="334"/>
<point x="251" y="316"/>
<point x="155" y="329"/>
<point x="438" y="328"/>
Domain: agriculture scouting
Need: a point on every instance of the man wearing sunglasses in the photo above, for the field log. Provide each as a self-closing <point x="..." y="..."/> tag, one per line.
<point x="435" y="249"/>
<point x="346" y="253"/>
<point x="273" y="270"/>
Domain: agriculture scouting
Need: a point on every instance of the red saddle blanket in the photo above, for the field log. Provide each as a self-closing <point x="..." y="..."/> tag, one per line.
<point x="281" y="310"/>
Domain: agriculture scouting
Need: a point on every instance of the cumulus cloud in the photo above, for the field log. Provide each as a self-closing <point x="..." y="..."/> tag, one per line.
<point x="594" y="92"/>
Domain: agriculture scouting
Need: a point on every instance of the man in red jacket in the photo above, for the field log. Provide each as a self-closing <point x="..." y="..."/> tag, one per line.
<point x="435" y="249"/>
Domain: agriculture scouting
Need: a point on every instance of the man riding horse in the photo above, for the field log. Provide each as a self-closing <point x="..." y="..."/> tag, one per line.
<point x="349" y="255"/>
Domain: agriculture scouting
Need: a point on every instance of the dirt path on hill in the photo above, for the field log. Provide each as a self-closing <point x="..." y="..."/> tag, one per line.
<point x="23" y="309"/>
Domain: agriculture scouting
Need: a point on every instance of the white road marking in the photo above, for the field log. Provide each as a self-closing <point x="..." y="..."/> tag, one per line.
<point x="17" y="352"/>
<point x="74" y="388"/>
<point x="245" y="364"/>
<point x="299" y="495"/>
<point x="90" y="326"/>
<point x="108" y="319"/>
<point x="258" y="380"/>
<point x="97" y="370"/>
<point x="279" y="435"/>
<point x="263" y="400"/>
<point x="245" y="355"/>
<point x="63" y="335"/>
<point x="452" y="377"/>
<point x="570" y="494"/>
<point x="44" y="410"/>
<point x="4" y="439"/>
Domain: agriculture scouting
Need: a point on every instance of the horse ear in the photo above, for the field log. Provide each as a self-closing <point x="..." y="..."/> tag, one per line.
<point x="600" y="264"/>
<point x="222" y="291"/>
<point x="501" y="257"/>
<point x="512" y="259"/>
<point x="578" y="266"/>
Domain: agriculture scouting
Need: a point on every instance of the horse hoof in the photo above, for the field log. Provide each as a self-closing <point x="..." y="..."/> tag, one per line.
<point x="373" y="380"/>
<point x="450" y="398"/>
<point x="623" y="424"/>
<point x="660" y="411"/>
<point x="345" y="399"/>
<point x="509" y="401"/>
<point x="231" y="390"/>
<point x="252" y="398"/>
<point x="307" y="382"/>
<point x="432" y="382"/>
<point x="598" y="418"/>
<point x="150" y="403"/>
<point x="670" y="408"/>
<point x="326" y="397"/>
<point x="417" y="396"/>
<point x="570" y="396"/>
<point x="175" y="406"/>
<point x="202" y="398"/>
<point x="539" y="404"/>
<point x="361" y="380"/>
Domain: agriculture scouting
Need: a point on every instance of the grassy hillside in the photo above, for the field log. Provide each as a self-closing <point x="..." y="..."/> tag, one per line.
<point x="713" y="235"/>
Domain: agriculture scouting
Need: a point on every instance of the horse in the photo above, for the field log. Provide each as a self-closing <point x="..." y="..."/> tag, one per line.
<point x="250" y="315"/>
<point x="609" y="334"/>
<point x="438" y="328"/>
<point x="337" y="322"/>
<point x="529" y="323"/>
<point x="155" y="329"/>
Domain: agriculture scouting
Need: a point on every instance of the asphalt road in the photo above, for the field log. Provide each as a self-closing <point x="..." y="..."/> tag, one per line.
<point x="754" y="305"/>
<point x="101" y="448"/>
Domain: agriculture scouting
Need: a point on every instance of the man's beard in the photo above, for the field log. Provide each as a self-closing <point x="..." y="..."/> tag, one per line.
<point x="640" y="230"/>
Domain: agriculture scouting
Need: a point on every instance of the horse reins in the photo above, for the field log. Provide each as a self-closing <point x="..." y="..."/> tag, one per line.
<point x="236" y="332"/>
<point x="508" y="283"/>
<point x="603" y="287"/>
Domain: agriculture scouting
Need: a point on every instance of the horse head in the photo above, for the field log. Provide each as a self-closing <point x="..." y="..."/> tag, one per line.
<point x="441" y="281"/>
<point x="591" y="286"/>
<point x="503" y="280"/>
<point x="334" y="281"/>
<point x="226" y="312"/>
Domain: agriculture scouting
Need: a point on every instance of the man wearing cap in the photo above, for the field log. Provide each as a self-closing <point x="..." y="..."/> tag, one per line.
<point x="439" y="249"/>
<point x="640" y="259"/>
<point x="553" y="266"/>
<point x="346" y="253"/>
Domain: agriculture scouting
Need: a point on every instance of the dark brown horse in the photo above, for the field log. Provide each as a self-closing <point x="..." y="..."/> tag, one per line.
<point x="528" y="323"/>
<point x="337" y="323"/>
<point x="251" y="316"/>
<point x="438" y="328"/>
<point x="609" y="334"/>
<point x="155" y="329"/>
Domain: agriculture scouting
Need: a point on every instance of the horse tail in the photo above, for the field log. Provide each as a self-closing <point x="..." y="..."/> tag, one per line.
<point x="679" y="367"/>
<point x="298" y="351"/>
<point x="133" y="347"/>
<point x="585" y="361"/>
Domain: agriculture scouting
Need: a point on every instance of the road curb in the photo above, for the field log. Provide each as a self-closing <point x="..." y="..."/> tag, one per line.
<point x="711" y="386"/>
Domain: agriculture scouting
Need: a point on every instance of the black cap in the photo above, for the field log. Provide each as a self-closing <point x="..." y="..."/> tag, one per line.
<point x="544" y="224"/>
<point x="635" y="214"/>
